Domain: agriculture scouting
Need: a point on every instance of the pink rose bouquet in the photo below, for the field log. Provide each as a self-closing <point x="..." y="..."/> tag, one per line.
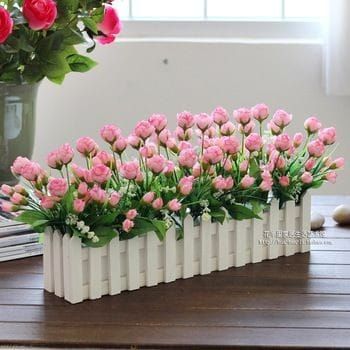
<point x="212" y="166"/>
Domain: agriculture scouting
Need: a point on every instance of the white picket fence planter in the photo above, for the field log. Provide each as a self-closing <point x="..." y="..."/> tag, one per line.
<point x="78" y="273"/>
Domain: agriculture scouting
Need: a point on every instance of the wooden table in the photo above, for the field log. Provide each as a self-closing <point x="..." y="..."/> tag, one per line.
<point x="299" y="301"/>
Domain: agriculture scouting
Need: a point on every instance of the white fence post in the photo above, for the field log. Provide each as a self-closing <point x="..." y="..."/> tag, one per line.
<point x="113" y="256"/>
<point x="133" y="262"/>
<point x="75" y="270"/>
<point x="222" y="239"/>
<point x="95" y="288"/>
<point x="48" y="261"/>
<point x="206" y="229"/>
<point x="170" y="255"/>
<point x="272" y="249"/>
<point x="289" y="228"/>
<point x="151" y="259"/>
<point x="58" y="263"/>
<point x="188" y="247"/>
<point x="305" y="217"/>
<point x="240" y="239"/>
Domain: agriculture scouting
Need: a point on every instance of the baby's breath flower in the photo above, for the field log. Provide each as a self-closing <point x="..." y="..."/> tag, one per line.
<point x="80" y="225"/>
<point x="85" y="229"/>
<point x="71" y="219"/>
<point x="91" y="234"/>
<point x="95" y="239"/>
<point x="206" y="216"/>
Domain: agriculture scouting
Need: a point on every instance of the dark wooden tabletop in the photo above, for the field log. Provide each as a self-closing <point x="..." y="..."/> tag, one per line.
<point x="300" y="301"/>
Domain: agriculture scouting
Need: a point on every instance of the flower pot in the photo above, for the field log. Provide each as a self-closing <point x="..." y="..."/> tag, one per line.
<point x="17" y="125"/>
<point x="78" y="273"/>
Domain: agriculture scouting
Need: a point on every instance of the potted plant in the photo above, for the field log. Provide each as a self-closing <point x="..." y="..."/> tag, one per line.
<point x="210" y="195"/>
<point x="38" y="39"/>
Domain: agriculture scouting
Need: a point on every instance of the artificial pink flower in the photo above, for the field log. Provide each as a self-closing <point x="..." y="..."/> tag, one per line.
<point x="280" y="163"/>
<point x="316" y="148"/>
<point x="6" y="24"/>
<point x="247" y="128"/>
<point x="306" y="177"/>
<point x="128" y="225"/>
<point x="130" y="170"/>
<point x="184" y="145"/>
<point x="284" y="181"/>
<point x="103" y="157"/>
<point x="187" y="158"/>
<point x="169" y="168"/>
<point x="254" y="142"/>
<point x="114" y="199"/>
<point x="40" y="14"/>
<point x="266" y="185"/>
<point x="337" y="163"/>
<point x="312" y="125"/>
<point x="58" y="187"/>
<point x="148" y="150"/>
<point x="331" y="177"/>
<point x="18" y="165"/>
<point x="242" y="115"/>
<point x="197" y="170"/>
<point x="219" y="183"/>
<point x="77" y="171"/>
<point x="134" y="141"/>
<point x="87" y="146"/>
<point x="48" y="202"/>
<point x="98" y="194"/>
<point x="227" y="129"/>
<point x="183" y="134"/>
<point x="8" y="207"/>
<point x="156" y="164"/>
<point x="298" y="139"/>
<point x="174" y="205"/>
<point x="18" y="199"/>
<point x="20" y="189"/>
<point x="158" y="121"/>
<point x="110" y="26"/>
<point x="131" y="214"/>
<point x="110" y="133"/>
<point x="260" y="112"/>
<point x="88" y="176"/>
<point x="148" y="197"/>
<point x="83" y="189"/>
<point x="283" y="142"/>
<point x="185" y="120"/>
<point x="186" y="185"/>
<point x="220" y="116"/>
<point x="247" y="181"/>
<point x="229" y="183"/>
<point x="120" y="145"/>
<point x="7" y="190"/>
<point x="171" y="144"/>
<point x="229" y="145"/>
<point x="100" y="173"/>
<point x="144" y="129"/>
<point x="327" y="135"/>
<point x="65" y="154"/>
<point x="53" y="160"/>
<point x="78" y="205"/>
<point x="31" y="171"/>
<point x="213" y="155"/>
<point x="227" y="164"/>
<point x="203" y="121"/>
<point x="243" y="167"/>
<point x="310" y="163"/>
<point x="281" y="118"/>
<point x="157" y="204"/>
<point x="164" y="136"/>
<point x="275" y="130"/>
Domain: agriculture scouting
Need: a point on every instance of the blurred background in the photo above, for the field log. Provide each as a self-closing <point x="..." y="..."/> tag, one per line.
<point x="194" y="55"/>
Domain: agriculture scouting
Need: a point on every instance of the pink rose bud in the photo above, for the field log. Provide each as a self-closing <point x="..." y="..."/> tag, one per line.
<point x="227" y="164"/>
<point x="171" y="144"/>
<point x="110" y="26"/>
<point x="203" y="121"/>
<point x="98" y="194"/>
<point x="158" y="204"/>
<point x="338" y="163"/>
<point x="7" y="190"/>
<point x="298" y="139"/>
<point x="6" y="24"/>
<point x="182" y="134"/>
<point x="220" y="116"/>
<point x="316" y="148"/>
<point x="65" y="154"/>
<point x="58" y="187"/>
<point x="78" y="205"/>
<point x="327" y="136"/>
<point x="243" y="167"/>
<point x="134" y="141"/>
<point x="188" y="158"/>
<point x="48" y="202"/>
<point x="77" y="171"/>
<point x="169" y="168"/>
<point x="148" y="197"/>
<point x="131" y="214"/>
<point x="87" y="146"/>
<point x="53" y="160"/>
<point x="83" y="189"/>
<point x="40" y="14"/>
<point x="18" y="165"/>
<point x="247" y="128"/>
<point x="8" y="207"/>
<point x="242" y="115"/>
<point x="306" y="178"/>
<point x="197" y="170"/>
<point x="284" y="181"/>
<point x="158" y="121"/>
<point x="164" y="136"/>
<point x="219" y="183"/>
<point x="148" y="151"/>
<point x="88" y="176"/>
<point x="331" y="177"/>
<point x="144" y="129"/>
<point x="247" y="181"/>
<point x="184" y="145"/>
<point x="20" y="189"/>
<point x="120" y="145"/>
<point x="186" y="185"/>
<point x="310" y="163"/>
<point x="101" y="174"/>
<point x="229" y="183"/>
<point x="283" y="142"/>
<point x="31" y="171"/>
<point x="104" y="158"/>
<point x="229" y="145"/>
<point x="185" y="120"/>
<point x="130" y="170"/>
<point x="156" y="164"/>
<point x="281" y="118"/>
<point x="266" y="185"/>
<point x="312" y="125"/>
<point x="213" y="155"/>
<point x="110" y="133"/>
<point x="114" y="199"/>
<point x="254" y="142"/>
<point x="281" y="163"/>
<point x="260" y="112"/>
<point x="128" y="225"/>
<point x="174" y="205"/>
<point x="18" y="199"/>
<point x="227" y="129"/>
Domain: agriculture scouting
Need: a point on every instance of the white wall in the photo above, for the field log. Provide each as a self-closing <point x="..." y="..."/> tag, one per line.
<point x="131" y="81"/>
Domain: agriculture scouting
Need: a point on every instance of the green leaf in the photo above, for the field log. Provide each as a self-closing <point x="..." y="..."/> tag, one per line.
<point x="90" y="24"/>
<point x="80" y="63"/>
<point x="98" y="14"/>
<point x="218" y="215"/>
<point x="105" y="220"/>
<point x="144" y="225"/>
<point x="40" y="225"/>
<point x="254" y="169"/>
<point x="31" y="216"/>
<point x="105" y="235"/>
<point x="241" y="212"/>
<point x="56" y="67"/>
<point x="72" y="37"/>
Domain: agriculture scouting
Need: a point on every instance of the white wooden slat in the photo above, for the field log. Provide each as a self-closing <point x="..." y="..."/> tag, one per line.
<point x="113" y="256"/>
<point x="48" y="261"/>
<point x="305" y="216"/>
<point x="66" y="265"/>
<point x="289" y="229"/>
<point x="94" y="268"/>
<point x="76" y="271"/>
<point x="256" y="241"/>
<point x="170" y="255"/>
<point x="206" y="230"/>
<point x="239" y="237"/>
<point x="188" y="247"/>
<point x="222" y="239"/>
<point x="132" y="256"/>
<point x="58" y="263"/>
<point x="272" y="249"/>
<point x="151" y="259"/>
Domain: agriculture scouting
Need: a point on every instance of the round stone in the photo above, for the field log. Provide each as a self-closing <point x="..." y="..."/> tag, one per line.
<point x="341" y="214"/>
<point x="317" y="220"/>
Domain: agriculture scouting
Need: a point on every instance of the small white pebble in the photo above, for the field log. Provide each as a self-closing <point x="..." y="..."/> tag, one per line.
<point x="341" y="214"/>
<point x="317" y="220"/>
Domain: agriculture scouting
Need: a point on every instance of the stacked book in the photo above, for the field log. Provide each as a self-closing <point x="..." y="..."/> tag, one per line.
<point x="17" y="240"/>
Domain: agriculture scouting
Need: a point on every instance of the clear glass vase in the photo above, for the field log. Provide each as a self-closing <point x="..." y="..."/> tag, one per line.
<point x="17" y="125"/>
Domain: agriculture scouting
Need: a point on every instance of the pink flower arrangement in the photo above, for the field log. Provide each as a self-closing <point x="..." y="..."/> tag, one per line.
<point x="210" y="164"/>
